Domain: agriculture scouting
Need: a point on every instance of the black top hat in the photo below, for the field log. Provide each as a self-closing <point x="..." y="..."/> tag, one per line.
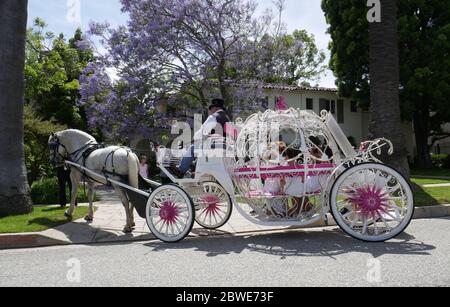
<point x="217" y="103"/>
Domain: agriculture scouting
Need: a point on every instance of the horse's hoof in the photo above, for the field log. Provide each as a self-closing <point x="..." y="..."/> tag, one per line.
<point x="87" y="218"/>
<point x="127" y="230"/>
<point x="67" y="215"/>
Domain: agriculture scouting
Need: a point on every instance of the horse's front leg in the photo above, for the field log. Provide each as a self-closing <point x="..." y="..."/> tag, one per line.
<point x="91" y="193"/>
<point x="126" y="203"/>
<point x="74" y="178"/>
<point x="131" y="208"/>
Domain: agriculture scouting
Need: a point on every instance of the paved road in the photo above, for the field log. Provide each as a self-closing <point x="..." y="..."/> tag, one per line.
<point x="319" y="257"/>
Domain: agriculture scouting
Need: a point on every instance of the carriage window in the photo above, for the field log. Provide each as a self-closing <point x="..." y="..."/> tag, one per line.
<point x="340" y="109"/>
<point x="289" y="137"/>
<point x="324" y="104"/>
<point x="309" y="104"/>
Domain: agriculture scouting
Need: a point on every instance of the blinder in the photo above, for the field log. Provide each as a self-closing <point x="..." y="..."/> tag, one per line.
<point x="54" y="144"/>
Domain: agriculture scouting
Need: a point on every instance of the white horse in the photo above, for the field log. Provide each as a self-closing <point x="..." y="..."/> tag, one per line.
<point x="116" y="162"/>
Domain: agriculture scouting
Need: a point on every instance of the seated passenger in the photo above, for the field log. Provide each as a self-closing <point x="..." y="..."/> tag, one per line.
<point x="215" y="122"/>
<point x="273" y="156"/>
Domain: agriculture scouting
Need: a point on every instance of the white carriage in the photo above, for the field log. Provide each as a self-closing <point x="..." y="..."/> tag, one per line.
<point x="283" y="168"/>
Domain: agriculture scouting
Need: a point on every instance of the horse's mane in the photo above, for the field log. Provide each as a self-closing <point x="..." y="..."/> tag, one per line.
<point x="78" y="133"/>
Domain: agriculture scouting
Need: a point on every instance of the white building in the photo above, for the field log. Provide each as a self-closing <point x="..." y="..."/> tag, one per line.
<point x="353" y="120"/>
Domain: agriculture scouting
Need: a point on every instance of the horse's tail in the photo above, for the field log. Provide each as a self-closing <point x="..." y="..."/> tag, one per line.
<point x="133" y="170"/>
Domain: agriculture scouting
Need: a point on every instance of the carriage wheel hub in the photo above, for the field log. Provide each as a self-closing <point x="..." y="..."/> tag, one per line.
<point x="212" y="204"/>
<point x="168" y="212"/>
<point x="370" y="200"/>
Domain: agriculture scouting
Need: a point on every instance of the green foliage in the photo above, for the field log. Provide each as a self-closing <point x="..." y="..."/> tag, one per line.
<point x="36" y="134"/>
<point x="441" y="161"/>
<point x="424" y="38"/>
<point x="290" y="59"/>
<point x="424" y="34"/>
<point x="45" y="192"/>
<point x="52" y="70"/>
<point x="349" y="47"/>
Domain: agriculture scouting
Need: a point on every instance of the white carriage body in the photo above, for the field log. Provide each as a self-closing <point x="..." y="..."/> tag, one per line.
<point x="315" y="147"/>
<point x="287" y="168"/>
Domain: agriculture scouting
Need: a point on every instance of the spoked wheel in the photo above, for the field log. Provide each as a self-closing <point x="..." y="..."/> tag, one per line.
<point x="214" y="207"/>
<point x="372" y="202"/>
<point x="170" y="213"/>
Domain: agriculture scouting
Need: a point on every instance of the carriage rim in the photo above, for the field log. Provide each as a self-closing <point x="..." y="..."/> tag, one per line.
<point x="228" y="214"/>
<point x="365" y="238"/>
<point x="170" y="215"/>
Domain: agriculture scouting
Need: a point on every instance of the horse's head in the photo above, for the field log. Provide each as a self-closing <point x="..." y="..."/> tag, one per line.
<point x="58" y="151"/>
<point x="66" y="145"/>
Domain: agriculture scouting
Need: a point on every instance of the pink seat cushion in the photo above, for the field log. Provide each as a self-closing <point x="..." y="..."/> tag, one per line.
<point x="285" y="171"/>
<point x="260" y="194"/>
<point x="231" y="131"/>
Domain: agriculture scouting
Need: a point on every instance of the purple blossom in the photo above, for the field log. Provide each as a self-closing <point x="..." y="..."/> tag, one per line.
<point x="175" y="48"/>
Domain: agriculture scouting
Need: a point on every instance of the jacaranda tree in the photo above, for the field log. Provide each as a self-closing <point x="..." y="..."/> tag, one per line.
<point x="190" y="49"/>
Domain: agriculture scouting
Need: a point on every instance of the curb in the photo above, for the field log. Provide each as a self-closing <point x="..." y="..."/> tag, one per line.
<point x="13" y="241"/>
<point x="431" y="177"/>
<point x="34" y="240"/>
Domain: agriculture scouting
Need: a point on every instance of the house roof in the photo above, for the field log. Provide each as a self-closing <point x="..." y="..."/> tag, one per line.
<point x="292" y="88"/>
<point x="282" y="87"/>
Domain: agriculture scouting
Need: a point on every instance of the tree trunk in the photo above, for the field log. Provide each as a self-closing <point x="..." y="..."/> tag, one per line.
<point x="225" y="88"/>
<point x="14" y="189"/>
<point x="422" y="132"/>
<point x="384" y="86"/>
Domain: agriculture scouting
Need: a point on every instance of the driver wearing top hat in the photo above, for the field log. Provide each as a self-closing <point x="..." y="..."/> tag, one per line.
<point x="216" y="122"/>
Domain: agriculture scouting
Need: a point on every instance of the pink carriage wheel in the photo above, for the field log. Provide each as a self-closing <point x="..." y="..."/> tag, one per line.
<point x="214" y="207"/>
<point x="170" y="213"/>
<point x="372" y="202"/>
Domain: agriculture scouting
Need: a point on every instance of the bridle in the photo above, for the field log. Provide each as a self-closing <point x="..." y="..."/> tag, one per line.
<point x="57" y="158"/>
<point x="54" y="145"/>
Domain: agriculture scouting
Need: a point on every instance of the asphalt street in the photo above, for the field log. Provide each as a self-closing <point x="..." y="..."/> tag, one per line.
<point x="314" y="257"/>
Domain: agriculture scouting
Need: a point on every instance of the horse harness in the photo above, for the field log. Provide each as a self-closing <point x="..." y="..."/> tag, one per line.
<point x="83" y="153"/>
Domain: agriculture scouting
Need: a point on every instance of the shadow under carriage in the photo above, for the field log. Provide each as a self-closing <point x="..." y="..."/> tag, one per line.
<point x="329" y="242"/>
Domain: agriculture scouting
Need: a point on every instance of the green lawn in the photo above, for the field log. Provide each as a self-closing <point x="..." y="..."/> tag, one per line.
<point x="42" y="218"/>
<point x="431" y="172"/>
<point x="432" y="196"/>
<point x="424" y="181"/>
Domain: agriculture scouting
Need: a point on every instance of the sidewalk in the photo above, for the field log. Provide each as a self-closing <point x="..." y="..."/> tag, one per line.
<point x="107" y="227"/>
<point x="110" y="218"/>
<point x="438" y="185"/>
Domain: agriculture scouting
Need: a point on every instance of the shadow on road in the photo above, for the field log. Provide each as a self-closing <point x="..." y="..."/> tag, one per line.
<point x="327" y="243"/>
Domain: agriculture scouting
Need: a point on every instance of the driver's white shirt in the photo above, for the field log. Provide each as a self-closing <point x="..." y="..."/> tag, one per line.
<point x="205" y="130"/>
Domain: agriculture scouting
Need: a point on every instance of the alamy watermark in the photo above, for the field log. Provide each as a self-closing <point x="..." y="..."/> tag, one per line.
<point x="74" y="273"/>
<point x="218" y="144"/>
<point x="374" y="271"/>
<point x="374" y="13"/>
<point x="73" y="11"/>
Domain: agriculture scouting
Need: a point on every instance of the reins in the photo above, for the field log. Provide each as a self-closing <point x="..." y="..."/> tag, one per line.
<point x="83" y="154"/>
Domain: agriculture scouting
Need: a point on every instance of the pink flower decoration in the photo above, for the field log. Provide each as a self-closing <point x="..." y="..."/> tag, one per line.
<point x="281" y="104"/>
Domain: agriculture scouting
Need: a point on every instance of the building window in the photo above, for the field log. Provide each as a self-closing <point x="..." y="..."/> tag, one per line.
<point x="340" y="111"/>
<point x="333" y="107"/>
<point x="265" y="103"/>
<point x="354" y="107"/>
<point x="309" y="104"/>
<point x="324" y="104"/>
